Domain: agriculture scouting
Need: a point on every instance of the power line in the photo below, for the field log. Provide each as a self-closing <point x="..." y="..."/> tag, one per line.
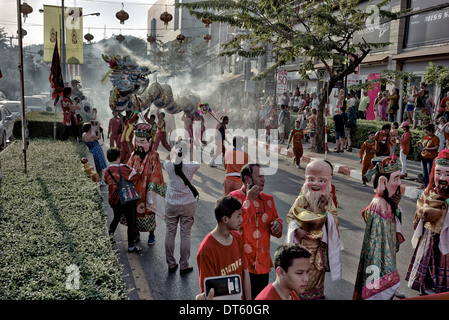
<point x="98" y="28"/>
<point x="131" y="3"/>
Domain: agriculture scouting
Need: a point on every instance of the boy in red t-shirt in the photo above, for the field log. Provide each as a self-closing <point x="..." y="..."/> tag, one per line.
<point x="292" y="263"/>
<point x="221" y="251"/>
<point x="129" y="210"/>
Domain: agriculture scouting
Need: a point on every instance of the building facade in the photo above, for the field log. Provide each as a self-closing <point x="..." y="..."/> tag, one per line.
<point x="416" y="40"/>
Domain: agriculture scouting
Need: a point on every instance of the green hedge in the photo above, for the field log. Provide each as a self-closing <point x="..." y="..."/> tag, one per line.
<point x="365" y="126"/>
<point x="40" y="125"/>
<point x="52" y="218"/>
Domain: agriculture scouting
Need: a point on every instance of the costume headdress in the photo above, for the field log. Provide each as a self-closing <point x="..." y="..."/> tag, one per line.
<point x="441" y="160"/>
<point x="142" y="130"/>
<point x="385" y="166"/>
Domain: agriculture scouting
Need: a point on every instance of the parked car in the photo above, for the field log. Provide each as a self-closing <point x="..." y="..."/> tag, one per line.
<point x="6" y="125"/>
<point x="35" y="102"/>
<point x="15" y="107"/>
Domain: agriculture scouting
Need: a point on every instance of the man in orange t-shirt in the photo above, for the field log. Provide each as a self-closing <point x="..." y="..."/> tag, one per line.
<point x="235" y="159"/>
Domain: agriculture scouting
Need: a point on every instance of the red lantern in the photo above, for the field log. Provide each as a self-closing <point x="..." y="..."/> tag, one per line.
<point x="166" y="17"/>
<point x="122" y="15"/>
<point x="88" y="37"/>
<point x="120" y="38"/>
<point x="180" y="38"/>
<point x="207" y="37"/>
<point x="25" y="9"/>
<point x="151" y="39"/>
<point x="206" y="21"/>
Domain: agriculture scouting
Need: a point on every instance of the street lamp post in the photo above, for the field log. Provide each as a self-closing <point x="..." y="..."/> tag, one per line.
<point x="22" y="92"/>
<point x="64" y="73"/>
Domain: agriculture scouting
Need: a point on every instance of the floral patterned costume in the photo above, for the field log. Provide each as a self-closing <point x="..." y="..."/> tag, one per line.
<point x="151" y="189"/>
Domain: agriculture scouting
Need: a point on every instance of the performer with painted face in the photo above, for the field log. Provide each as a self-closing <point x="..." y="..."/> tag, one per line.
<point x="151" y="183"/>
<point x="312" y="222"/>
<point x="377" y="274"/>
<point x="429" y="268"/>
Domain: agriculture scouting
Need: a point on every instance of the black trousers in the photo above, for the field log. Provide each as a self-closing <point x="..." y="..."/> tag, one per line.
<point x="129" y="211"/>
<point x="258" y="283"/>
<point x="71" y="130"/>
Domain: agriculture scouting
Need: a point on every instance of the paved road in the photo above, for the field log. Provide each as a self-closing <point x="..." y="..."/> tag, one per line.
<point x="146" y="274"/>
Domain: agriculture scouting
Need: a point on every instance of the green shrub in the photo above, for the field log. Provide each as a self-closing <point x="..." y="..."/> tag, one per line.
<point x="365" y="126"/>
<point x="41" y="125"/>
<point x="52" y="218"/>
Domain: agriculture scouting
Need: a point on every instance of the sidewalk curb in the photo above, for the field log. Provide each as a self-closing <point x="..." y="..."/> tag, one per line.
<point x="408" y="191"/>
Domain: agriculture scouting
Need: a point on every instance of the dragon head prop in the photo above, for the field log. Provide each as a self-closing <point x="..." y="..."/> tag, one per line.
<point x="127" y="78"/>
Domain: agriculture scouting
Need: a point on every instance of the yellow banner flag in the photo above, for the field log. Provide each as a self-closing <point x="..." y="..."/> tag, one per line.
<point x="74" y="35"/>
<point x="73" y="23"/>
<point x="52" y="28"/>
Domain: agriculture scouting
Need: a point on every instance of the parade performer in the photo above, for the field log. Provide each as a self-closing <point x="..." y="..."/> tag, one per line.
<point x="188" y="126"/>
<point x="429" y="268"/>
<point x="114" y="130"/>
<point x="377" y="274"/>
<point x="295" y="138"/>
<point x="220" y="138"/>
<point x="199" y="130"/>
<point x="161" y="135"/>
<point x="382" y="139"/>
<point x="151" y="183"/>
<point x="312" y="222"/>
<point x="151" y="121"/>
<point x="235" y="159"/>
<point x="126" y="145"/>
<point x="260" y="222"/>
<point x="367" y="153"/>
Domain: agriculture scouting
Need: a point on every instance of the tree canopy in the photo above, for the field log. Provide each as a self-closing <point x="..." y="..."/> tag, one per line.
<point x="299" y="32"/>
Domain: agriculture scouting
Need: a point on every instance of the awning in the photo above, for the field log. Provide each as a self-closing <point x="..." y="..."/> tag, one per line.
<point x="433" y="51"/>
<point x="234" y="77"/>
<point x="378" y="58"/>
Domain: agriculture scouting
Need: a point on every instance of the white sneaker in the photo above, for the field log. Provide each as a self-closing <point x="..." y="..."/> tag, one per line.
<point x="399" y="294"/>
<point x="212" y="164"/>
